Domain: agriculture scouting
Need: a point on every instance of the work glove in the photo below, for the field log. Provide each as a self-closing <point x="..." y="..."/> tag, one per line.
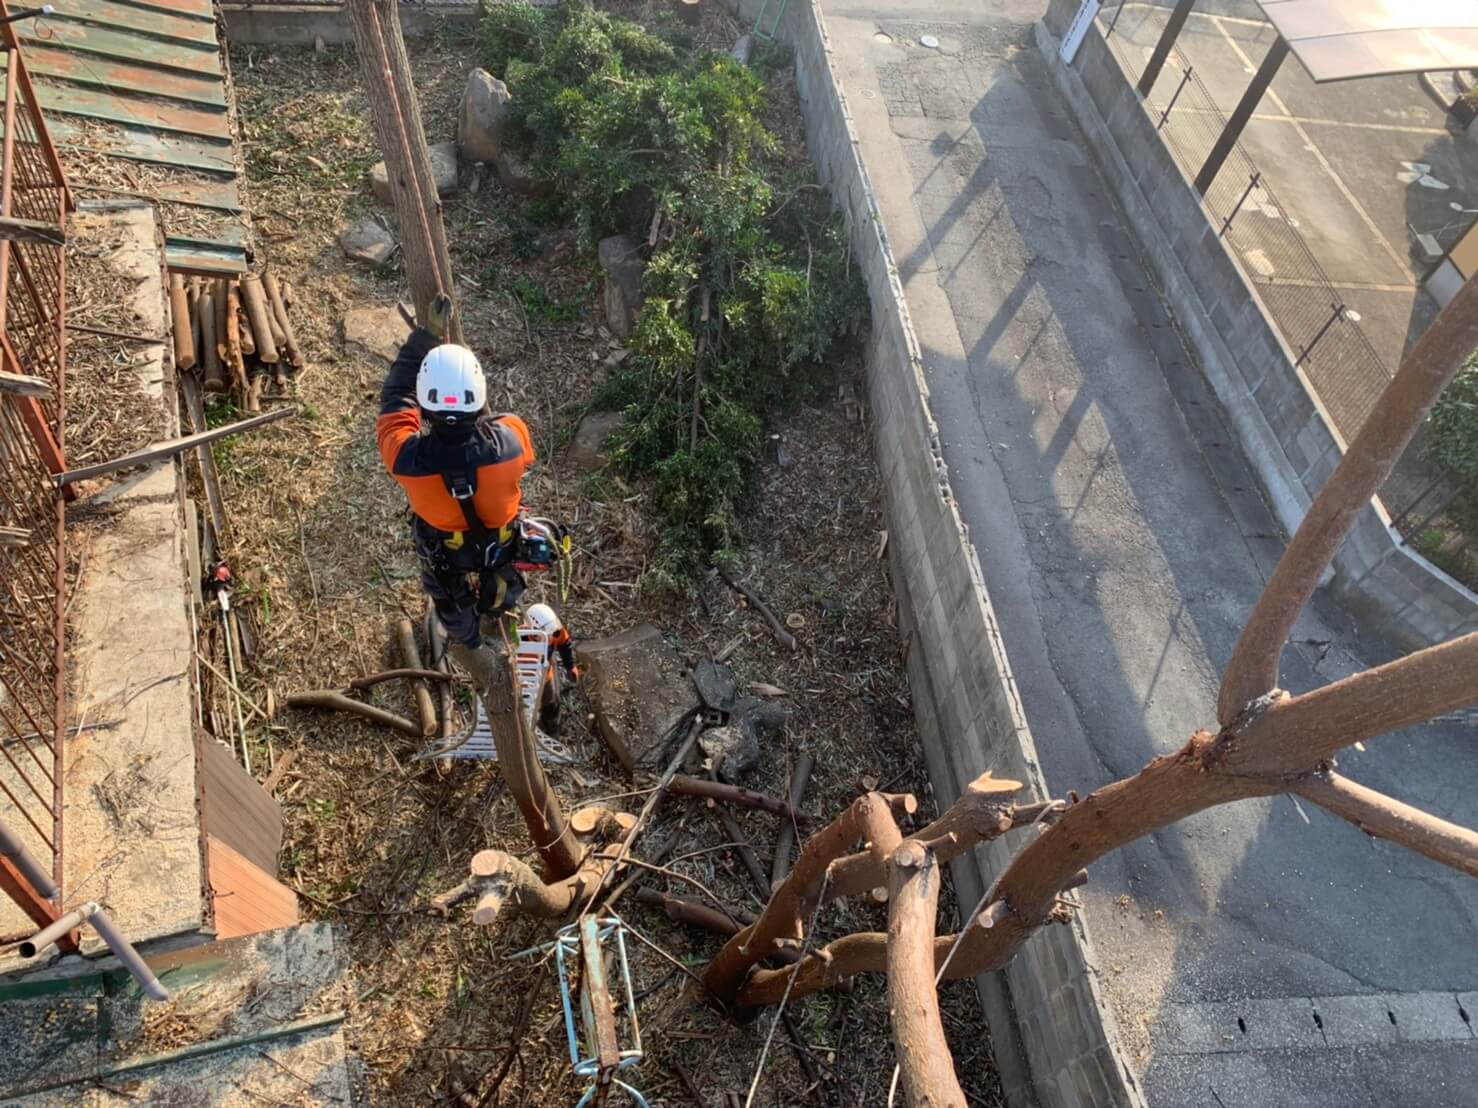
<point x="439" y="316"/>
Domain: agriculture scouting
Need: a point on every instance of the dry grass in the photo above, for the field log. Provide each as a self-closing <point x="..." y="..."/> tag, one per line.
<point x="318" y="535"/>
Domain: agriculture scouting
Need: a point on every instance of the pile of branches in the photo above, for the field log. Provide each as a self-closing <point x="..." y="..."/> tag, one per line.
<point x="747" y="283"/>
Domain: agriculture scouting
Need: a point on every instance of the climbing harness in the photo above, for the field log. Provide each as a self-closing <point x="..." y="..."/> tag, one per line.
<point x="584" y="954"/>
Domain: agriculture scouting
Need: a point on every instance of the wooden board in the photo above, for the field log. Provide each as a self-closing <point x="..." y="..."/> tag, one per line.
<point x="236" y="809"/>
<point x="244" y="899"/>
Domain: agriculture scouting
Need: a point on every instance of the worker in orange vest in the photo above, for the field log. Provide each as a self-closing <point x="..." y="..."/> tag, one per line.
<point x="460" y="467"/>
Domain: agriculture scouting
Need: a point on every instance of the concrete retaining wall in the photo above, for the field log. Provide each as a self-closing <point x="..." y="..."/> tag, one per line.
<point x="1286" y="434"/>
<point x="1054" y="1042"/>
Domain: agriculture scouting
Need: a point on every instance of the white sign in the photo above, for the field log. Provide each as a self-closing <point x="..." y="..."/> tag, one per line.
<point x="1074" y="37"/>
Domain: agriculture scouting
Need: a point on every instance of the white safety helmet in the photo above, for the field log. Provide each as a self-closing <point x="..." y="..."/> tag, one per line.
<point x="450" y="382"/>
<point x="541" y="617"/>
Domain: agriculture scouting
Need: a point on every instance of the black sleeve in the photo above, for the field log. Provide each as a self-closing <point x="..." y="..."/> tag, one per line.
<point x="399" y="391"/>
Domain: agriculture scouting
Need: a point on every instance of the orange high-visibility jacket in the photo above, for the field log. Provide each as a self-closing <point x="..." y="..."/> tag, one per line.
<point x="498" y="450"/>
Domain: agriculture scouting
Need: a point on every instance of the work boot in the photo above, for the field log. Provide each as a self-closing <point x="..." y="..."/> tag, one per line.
<point x="482" y="662"/>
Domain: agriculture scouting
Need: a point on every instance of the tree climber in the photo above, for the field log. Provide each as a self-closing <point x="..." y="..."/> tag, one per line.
<point x="460" y="467"/>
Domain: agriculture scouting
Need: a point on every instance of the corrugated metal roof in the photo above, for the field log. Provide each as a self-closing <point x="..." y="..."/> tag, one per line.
<point x="142" y="81"/>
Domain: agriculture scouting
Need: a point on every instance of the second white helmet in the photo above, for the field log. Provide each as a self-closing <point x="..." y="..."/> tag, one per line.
<point x="450" y="381"/>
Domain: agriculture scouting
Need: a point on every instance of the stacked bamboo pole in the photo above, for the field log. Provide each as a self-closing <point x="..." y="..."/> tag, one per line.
<point x="235" y="334"/>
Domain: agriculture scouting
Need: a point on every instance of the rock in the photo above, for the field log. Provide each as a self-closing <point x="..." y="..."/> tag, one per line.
<point x="443" y="172"/>
<point x="485" y="112"/>
<point x="367" y="241"/>
<point x="319" y="46"/>
<point x="742" y="49"/>
<point x="586" y="452"/>
<point x="762" y="719"/>
<point x="714" y="682"/>
<point x="733" y="752"/>
<point x="689" y="11"/>
<point x="518" y="176"/>
<point x="620" y="257"/>
<point x="638" y="692"/>
<point x="377" y="332"/>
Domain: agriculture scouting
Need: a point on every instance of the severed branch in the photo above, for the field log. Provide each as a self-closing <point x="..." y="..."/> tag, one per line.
<point x="1386" y="818"/>
<point x="1424" y="373"/>
<point x="918" y="1032"/>
<point x="396" y="674"/>
<point x="23" y="385"/>
<point x="784" y="637"/>
<point x="869" y="819"/>
<point x="734" y="794"/>
<point x="14" y="537"/>
<point x="404" y="636"/>
<point x="1296" y="733"/>
<point x="498" y="878"/>
<point x="800" y="776"/>
<point x="336" y="701"/>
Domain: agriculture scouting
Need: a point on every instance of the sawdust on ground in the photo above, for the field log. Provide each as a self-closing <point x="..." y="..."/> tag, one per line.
<point x="319" y="543"/>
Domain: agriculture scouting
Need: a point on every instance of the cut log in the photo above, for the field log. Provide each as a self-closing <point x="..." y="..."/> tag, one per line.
<point x="278" y="304"/>
<point x="255" y="302"/>
<point x="601" y="822"/>
<point x="213" y="373"/>
<point x="405" y="640"/>
<point x="246" y="336"/>
<point x="254" y="384"/>
<point x="12" y="537"/>
<point x="179" y="323"/>
<point x="220" y="301"/>
<point x="234" y="360"/>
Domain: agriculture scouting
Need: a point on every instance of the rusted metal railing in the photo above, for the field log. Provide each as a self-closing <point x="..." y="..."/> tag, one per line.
<point x="34" y="201"/>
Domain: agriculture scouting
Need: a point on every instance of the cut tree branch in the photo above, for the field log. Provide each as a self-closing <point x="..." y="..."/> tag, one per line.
<point x="336" y="701"/>
<point x="1424" y="373"/>
<point x="1296" y="733"/>
<point x="1386" y="818"/>
<point x="924" y="1059"/>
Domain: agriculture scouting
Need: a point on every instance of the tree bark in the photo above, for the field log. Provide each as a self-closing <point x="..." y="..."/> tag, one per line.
<point x="785" y="841"/>
<point x="402" y="139"/>
<point x="405" y="641"/>
<point x="1386" y="818"/>
<point x="927" y="1068"/>
<point x="518" y="758"/>
<point x="784" y="917"/>
<point x="499" y="878"/>
<point x="1424" y="373"/>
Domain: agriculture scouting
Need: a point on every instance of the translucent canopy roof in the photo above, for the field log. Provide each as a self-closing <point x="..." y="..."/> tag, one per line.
<point x="1338" y="40"/>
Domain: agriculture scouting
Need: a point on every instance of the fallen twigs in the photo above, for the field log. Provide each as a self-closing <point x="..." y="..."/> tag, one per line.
<point x="784" y="637"/>
<point x="785" y="841"/>
<point x="396" y="674"/>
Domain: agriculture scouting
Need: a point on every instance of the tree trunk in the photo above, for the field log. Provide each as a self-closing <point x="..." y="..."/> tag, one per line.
<point x="1424" y="373"/>
<point x="518" y="758"/>
<point x="402" y="140"/>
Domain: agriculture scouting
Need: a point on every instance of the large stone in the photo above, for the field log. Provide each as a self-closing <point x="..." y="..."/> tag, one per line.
<point x="586" y="452"/>
<point x="742" y="49"/>
<point x="638" y="691"/>
<point x="377" y="332"/>
<point x="443" y="172"/>
<point x="485" y="112"/>
<point x="517" y="175"/>
<point x="366" y="241"/>
<point x="732" y="751"/>
<point x="620" y="258"/>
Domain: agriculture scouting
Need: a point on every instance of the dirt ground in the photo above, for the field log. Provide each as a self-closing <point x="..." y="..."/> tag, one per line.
<point x="320" y="543"/>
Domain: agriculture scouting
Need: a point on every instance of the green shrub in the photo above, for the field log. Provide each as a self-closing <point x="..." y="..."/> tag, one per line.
<point x="748" y="286"/>
<point x="1452" y="437"/>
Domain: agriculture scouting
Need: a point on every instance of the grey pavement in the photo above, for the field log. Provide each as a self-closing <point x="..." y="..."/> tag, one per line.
<point x="1123" y="541"/>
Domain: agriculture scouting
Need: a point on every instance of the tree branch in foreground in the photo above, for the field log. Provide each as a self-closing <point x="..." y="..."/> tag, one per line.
<point x="1379" y="815"/>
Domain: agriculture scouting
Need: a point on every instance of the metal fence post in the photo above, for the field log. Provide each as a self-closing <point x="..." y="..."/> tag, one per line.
<point x="1337" y="315"/>
<point x="1184" y="80"/>
<point x="1237" y="207"/>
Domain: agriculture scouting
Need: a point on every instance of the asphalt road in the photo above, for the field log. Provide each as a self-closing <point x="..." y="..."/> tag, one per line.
<point x="1123" y="542"/>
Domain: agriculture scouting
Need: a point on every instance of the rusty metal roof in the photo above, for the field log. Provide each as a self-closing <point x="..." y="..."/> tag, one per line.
<point x="1338" y="40"/>
<point x="141" y="82"/>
